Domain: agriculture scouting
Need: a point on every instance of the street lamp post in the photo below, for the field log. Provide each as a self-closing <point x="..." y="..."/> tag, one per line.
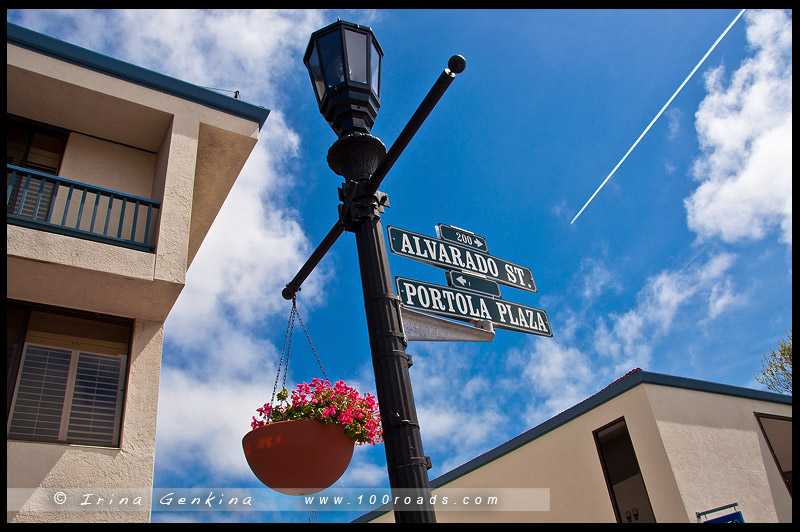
<point x="344" y="62"/>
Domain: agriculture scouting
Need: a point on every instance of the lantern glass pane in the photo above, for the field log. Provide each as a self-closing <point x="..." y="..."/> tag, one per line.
<point x="356" y="55"/>
<point x="375" y="66"/>
<point x="330" y="48"/>
<point x="316" y="74"/>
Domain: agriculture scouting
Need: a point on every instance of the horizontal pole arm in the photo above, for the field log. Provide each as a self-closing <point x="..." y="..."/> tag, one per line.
<point x="294" y="285"/>
<point x="434" y="95"/>
<point x="456" y="65"/>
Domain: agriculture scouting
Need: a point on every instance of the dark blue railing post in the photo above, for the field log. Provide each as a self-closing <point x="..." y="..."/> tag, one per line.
<point x="11" y="182"/>
<point x="19" y="184"/>
<point x="66" y="207"/>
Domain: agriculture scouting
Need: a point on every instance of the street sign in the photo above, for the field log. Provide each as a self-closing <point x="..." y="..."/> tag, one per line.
<point x="461" y="236"/>
<point x="735" y="517"/>
<point x="450" y="255"/>
<point x="471" y="306"/>
<point x="473" y="282"/>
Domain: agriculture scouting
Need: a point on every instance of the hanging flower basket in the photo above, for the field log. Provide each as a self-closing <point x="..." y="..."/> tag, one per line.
<point x="303" y="446"/>
<point x="298" y="457"/>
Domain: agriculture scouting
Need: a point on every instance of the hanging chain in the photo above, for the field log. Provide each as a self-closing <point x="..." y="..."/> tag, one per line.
<point x="289" y="329"/>
<point x="288" y="351"/>
<point x="287" y="347"/>
<point x="312" y="345"/>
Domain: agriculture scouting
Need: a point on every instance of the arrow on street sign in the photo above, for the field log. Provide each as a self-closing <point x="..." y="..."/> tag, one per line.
<point x="450" y="255"/>
<point x="470" y="306"/>
<point x="473" y="283"/>
<point x="461" y="236"/>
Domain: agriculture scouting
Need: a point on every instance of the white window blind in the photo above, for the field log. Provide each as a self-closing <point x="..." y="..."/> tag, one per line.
<point x="39" y="398"/>
<point x="96" y="399"/>
<point x="69" y="396"/>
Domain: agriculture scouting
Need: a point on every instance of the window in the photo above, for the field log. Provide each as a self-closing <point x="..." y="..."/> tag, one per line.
<point x="69" y="379"/>
<point x="777" y="431"/>
<point x="37" y="147"/>
<point x="623" y="476"/>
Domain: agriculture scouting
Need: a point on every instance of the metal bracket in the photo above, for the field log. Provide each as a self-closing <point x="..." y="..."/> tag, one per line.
<point x="717" y="509"/>
<point x="359" y="203"/>
<point x="399" y="422"/>
<point x="419" y="326"/>
<point x="417" y="461"/>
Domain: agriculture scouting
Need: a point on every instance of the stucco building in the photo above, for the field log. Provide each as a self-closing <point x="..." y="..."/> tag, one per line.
<point x="647" y="448"/>
<point x="114" y="175"/>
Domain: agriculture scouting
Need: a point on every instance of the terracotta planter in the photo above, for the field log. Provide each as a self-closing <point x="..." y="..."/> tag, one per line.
<point x="298" y="457"/>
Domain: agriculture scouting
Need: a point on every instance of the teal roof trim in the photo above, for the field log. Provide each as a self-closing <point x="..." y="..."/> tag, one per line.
<point x="76" y="55"/>
<point x="618" y="387"/>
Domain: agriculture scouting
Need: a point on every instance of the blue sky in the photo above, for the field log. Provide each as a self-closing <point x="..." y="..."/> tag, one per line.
<point x="682" y="264"/>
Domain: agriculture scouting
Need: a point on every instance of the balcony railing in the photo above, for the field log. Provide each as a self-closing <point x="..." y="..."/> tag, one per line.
<point x="51" y="203"/>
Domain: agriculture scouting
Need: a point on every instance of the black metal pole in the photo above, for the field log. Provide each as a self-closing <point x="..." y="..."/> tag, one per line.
<point x="355" y="157"/>
<point x="363" y="161"/>
<point x="405" y="460"/>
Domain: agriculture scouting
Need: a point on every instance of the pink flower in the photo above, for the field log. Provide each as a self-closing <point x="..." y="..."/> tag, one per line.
<point x="338" y="403"/>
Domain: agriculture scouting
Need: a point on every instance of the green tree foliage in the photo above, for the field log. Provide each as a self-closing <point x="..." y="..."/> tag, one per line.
<point x="776" y="368"/>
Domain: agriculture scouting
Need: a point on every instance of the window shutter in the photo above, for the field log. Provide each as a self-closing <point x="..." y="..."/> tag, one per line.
<point x="65" y="395"/>
<point x="97" y="399"/>
<point x="39" y="400"/>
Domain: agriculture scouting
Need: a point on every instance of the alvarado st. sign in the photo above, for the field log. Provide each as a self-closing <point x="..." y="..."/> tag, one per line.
<point x="450" y="256"/>
<point x="470" y="306"/>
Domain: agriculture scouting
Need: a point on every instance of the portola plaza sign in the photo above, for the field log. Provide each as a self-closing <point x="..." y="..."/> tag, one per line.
<point x="473" y="275"/>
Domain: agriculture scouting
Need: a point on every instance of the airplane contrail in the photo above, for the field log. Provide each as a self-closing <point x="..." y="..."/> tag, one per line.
<point x="653" y="121"/>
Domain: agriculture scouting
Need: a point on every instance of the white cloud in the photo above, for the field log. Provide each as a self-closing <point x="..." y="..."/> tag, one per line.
<point x="554" y="377"/>
<point x="256" y="244"/>
<point x="597" y="278"/>
<point x="626" y="343"/>
<point x="722" y="298"/>
<point x="252" y="250"/>
<point x="460" y="413"/>
<point x="745" y="132"/>
<point x="248" y="50"/>
<point x="674" y="115"/>
<point x="555" y="374"/>
<point x="362" y="474"/>
<point x="629" y="340"/>
<point x="201" y="424"/>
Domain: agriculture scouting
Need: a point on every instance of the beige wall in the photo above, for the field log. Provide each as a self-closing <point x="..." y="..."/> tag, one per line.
<point x="103" y="106"/>
<point x="108" y="165"/>
<point x="718" y="453"/>
<point x="565" y="461"/>
<point x="129" y="469"/>
<point x="132" y="139"/>
<point x="696" y="451"/>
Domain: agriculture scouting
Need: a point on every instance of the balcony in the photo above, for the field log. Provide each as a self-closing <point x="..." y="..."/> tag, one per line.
<point x="50" y="203"/>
